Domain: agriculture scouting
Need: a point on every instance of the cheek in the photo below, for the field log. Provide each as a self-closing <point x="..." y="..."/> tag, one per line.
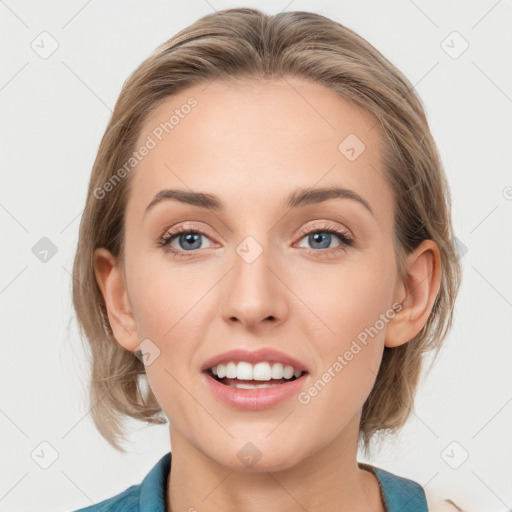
<point x="170" y="311"/>
<point x="344" y="301"/>
<point x="351" y="309"/>
<point x="161" y="295"/>
<point x="349" y="350"/>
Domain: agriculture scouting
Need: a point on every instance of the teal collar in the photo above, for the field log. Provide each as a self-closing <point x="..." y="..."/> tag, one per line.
<point x="399" y="494"/>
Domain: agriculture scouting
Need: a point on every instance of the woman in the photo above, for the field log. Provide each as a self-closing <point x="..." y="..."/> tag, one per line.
<point x="265" y="255"/>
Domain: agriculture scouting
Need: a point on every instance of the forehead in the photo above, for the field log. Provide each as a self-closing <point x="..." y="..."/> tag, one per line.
<point x="253" y="141"/>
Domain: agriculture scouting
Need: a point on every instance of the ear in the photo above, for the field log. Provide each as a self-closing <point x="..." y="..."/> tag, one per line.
<point x="416" y="292"/>
<point x="111" y="281"/>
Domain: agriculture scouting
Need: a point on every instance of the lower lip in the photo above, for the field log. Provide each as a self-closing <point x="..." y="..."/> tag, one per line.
<point x="254" y="399"/>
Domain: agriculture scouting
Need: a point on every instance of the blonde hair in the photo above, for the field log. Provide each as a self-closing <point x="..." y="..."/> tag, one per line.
<point x="246" y="43"/>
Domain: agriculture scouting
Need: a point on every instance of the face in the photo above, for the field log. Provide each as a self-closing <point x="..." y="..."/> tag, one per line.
<point x="306" y="279"/>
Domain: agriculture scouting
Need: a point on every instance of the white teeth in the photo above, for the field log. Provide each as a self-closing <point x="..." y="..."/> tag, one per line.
<point x="221" y="371"/>
<point x="262" y="371"/>
<point x="242" y="385"/>
<point x="277" y="371"/>
<point x="288" y="372"/>
<point x="243" y="371"/>
<point x="231" y="371"/>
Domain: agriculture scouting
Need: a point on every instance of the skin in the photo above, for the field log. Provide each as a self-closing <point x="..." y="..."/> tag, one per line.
<point x="251" y="143"/>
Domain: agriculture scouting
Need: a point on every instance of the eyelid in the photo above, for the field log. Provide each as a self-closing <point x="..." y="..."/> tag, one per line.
<point x="327" y="225"/>
<point x="187" y="226"/>
<point x="170" y="234"/>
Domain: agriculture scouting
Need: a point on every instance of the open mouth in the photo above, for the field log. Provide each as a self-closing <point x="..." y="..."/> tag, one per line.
<point x="252" y="384"/>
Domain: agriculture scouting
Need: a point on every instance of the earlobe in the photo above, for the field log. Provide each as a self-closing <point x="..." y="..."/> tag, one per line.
<point x="417" y="293"/>
<point x="113" y="288"/>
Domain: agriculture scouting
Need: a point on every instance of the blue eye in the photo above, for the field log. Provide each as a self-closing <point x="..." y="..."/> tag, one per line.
<point x="189" y="240"/>
<point x="321" y="238"/>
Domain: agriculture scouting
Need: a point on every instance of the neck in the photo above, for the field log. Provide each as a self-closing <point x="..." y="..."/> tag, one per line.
<point x="328" y="480"/>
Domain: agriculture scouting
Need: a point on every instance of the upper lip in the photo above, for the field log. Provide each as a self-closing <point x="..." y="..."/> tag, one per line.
<point x="254" y="356"/>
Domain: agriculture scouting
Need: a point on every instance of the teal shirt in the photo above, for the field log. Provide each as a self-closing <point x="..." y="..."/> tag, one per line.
<point x="399" y="494"/>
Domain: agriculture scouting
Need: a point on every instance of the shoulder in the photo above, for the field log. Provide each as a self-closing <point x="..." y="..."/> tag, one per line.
<point x="404" y="494"/>
<point x="148" y="496"/>
<point x="127" y="500"/>
<point x="400" y="493"/>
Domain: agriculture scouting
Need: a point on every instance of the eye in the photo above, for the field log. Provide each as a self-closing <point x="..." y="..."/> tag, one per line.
<point x="321" y="238"/>
<point x="188" y="239"/>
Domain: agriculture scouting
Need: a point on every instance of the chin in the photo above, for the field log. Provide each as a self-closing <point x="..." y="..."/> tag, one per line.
<point x="251" y="459"/>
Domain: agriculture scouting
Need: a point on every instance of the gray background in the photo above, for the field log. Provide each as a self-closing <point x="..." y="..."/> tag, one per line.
<point x="54" y="109"/>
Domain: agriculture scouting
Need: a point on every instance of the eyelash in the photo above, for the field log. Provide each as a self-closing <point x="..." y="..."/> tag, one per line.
<point x="346" y="240"/>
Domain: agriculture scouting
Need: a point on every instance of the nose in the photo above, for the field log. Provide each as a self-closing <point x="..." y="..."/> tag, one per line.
<point x="254" y="293"/>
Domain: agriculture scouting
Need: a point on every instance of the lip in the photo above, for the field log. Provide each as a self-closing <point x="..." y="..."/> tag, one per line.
<point x="254" y="399"/>
<point x="254" y="356"/>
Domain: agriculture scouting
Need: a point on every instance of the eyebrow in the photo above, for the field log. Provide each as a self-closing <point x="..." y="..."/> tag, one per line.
<point x="298" y="198"/>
